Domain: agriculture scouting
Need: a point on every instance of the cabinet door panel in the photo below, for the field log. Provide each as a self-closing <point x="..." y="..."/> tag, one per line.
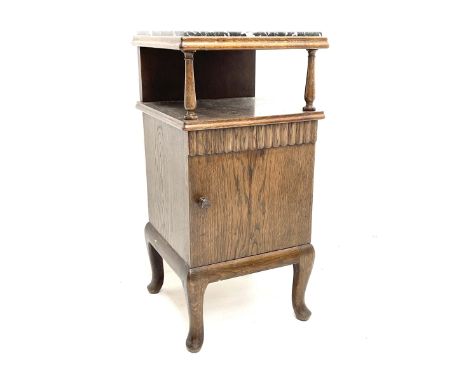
<point x="256" y="201"/>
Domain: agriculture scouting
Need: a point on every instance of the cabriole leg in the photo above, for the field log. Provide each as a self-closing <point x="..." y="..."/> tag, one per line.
<point x="157" y="269"/>
<point x="302" y="271"/>
<point x="194" y="292"/>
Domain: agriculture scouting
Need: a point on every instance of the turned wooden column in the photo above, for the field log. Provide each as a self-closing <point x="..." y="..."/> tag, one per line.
<point x="190" y="97"/>
<point x="309" y="93"/>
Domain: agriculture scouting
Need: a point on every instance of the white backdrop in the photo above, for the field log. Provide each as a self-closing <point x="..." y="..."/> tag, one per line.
<point x="388" y="293"/>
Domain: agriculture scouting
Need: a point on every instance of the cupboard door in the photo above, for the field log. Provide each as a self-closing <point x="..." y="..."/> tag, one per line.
<point x="249" y="202"/>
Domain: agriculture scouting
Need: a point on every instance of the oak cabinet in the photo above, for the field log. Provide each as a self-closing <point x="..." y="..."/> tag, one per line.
<point x="229" y="176"/>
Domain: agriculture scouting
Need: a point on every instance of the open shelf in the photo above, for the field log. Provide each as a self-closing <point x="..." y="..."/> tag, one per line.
<point x="230" y="112"/>
<point x="209" y="78"/>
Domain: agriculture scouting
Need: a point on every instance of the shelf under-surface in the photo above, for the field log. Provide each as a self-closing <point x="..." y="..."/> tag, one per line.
<point x="230" y="112"/>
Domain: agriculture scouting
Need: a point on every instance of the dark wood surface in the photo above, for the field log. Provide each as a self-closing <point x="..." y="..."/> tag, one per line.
<point x="194" y="294"/>
<point x="231" y="112"/>
<point x="302" y="270"/>
<point x="166" y="175"/>
<point x="230" y="176"/>
<point x="309" y="91"/>
<point x="251" y="264"/>
<point x="258" y="197"/>
<point x="157" y="270"/>
<point x="190" y="97"/>
<point x="223" y="74"/>
<point x="195" y="280"/>
<point x="162" y="247"/>
<point x="226" y="215"/>
<point x="220" y="141"/>
<point x="260" y="201"/>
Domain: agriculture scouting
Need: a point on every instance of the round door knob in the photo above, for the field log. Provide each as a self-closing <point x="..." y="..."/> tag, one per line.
<point x="203" y="202"/>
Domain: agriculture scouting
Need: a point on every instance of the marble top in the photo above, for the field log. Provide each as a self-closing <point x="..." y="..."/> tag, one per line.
<point x="191" y="41"/>
<point x="225" y="33"/>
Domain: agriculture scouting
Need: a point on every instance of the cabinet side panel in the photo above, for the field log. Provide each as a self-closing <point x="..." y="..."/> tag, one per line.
<point x="166" y="151"/>
<point x="261" y="200"/>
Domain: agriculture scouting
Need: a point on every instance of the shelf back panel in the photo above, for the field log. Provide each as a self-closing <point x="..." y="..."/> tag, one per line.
<point x="218" y="74"/>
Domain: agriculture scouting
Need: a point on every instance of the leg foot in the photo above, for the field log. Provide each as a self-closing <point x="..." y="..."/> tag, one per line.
<point x="302" y="272"/>
<point x="194" y="292"/>
<point x="157" y="269"/>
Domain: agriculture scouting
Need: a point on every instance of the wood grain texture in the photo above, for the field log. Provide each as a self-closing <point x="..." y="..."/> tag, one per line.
<point x="260" y="201"/>
<point x="301" y="257"/>
<point x="251" y="264"/>
<point x="157" y="270"/>
<point x="309" y="92"/>
<point x="207" y="142"/>
<point x="218" y="74"/>
<point x="230" y="112"/>
<point x="194" y="294"/>
<point x="191" y="43"/>
<point x="195" y="280"/>
<point x="167" y="180"/>
<point x="229" y="193"/>
<point x="162" y="247"/>
<point x="260" y="42"/>
<point x="190" y="97"/>
<point x="302" y="270"/>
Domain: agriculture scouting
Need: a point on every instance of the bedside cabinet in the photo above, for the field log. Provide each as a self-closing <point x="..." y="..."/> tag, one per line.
<point x="229" y="176"/>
